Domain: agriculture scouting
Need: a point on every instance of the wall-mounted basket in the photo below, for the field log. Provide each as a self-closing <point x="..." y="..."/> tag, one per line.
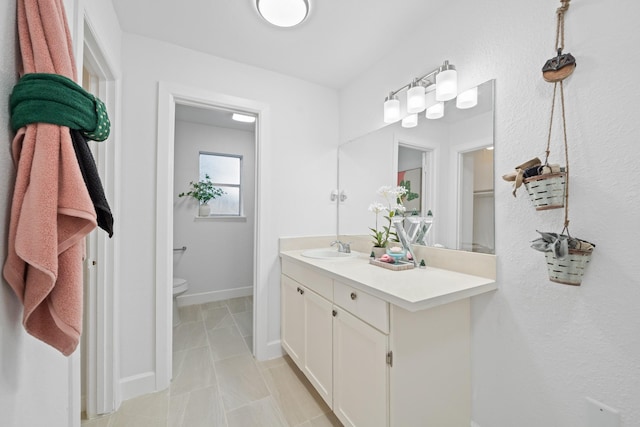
<point x="547" y="191"/>
<point x="568" y="271"/>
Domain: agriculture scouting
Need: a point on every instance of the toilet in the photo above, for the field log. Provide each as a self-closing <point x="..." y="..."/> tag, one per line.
<point x="180" y="286"/>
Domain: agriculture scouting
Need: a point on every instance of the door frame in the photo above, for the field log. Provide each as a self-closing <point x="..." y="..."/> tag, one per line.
<point x="169" y="95"/>
<point x="456" y="179"/>
<point x="102" y="372"/>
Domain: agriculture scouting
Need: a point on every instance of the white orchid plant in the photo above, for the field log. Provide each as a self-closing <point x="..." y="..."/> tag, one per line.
<point x="392" y="206"/>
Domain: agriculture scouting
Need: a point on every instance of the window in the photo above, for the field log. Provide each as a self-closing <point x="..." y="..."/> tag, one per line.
<point x="225" y="171"/>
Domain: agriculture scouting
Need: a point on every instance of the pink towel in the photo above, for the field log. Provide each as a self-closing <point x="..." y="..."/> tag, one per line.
<point x="51" y="211"/>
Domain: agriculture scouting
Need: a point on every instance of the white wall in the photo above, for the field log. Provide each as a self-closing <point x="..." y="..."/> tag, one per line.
<point x="218" y="261"/>
<point x="540" y="348"/>
<point x="300" y="172"/>
<point x="32" y="374"/>
<point x="34" y="378"/>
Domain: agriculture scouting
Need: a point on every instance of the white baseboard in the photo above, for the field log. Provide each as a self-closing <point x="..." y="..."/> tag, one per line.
<point x="205" y="297"/>
<point x="137" y="385"/>
<point x="274" y="349"/>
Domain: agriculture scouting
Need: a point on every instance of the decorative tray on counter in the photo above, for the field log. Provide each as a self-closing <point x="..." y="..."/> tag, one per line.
<point x="397" y="266"/>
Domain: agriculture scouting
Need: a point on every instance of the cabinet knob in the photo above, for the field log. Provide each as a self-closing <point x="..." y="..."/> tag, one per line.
<point x="353" y="295"/>
<point x="301" y="291"/>
<point x="335" y="313"/>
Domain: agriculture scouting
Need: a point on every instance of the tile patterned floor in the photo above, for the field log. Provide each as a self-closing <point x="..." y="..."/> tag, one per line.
<point x="218" y="383"/>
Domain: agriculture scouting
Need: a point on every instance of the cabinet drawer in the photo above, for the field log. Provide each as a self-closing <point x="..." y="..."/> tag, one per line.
<point x="372" y="310"/>
<point x="318" y="283"/>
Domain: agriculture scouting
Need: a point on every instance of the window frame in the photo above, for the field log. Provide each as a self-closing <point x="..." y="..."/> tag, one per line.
<point x="239" y="186"/>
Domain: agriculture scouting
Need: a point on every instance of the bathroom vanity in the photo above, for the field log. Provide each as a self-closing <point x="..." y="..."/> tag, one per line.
<point x="383" y="347"/>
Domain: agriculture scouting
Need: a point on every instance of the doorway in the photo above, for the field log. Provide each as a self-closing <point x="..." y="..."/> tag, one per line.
<point x="416" y="172"/>
<point x="170" y="96"/>
<point x="213" y="251"/>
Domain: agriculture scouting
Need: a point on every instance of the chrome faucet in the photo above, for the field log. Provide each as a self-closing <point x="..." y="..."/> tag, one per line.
<point x="342" y="247"/>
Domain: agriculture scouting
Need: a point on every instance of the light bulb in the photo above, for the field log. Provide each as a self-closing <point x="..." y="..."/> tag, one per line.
<point x="446" y="82"/>
<point x="467" y="99"/>
<point x="410" y="121"/>
<point x="391" y="109"/>
<point x="415" y="98"/>
<point x="436" y="111"/>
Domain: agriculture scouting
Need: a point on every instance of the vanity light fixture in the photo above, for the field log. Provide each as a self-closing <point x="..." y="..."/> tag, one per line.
<point x="283" y="13"/>
<point x="416" y="102"/>
<point x="446" y="82"/>
<point x="467" y="99"/>
<point x="391" y="108"/>
<point x="426" y="92"/>
<point x="410" y="121"/>
<point x="436" y="111"/>
<point x="243" y="118"/>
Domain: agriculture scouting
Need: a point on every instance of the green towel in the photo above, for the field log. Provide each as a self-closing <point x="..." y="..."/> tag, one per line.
<point x="55" y="99"/>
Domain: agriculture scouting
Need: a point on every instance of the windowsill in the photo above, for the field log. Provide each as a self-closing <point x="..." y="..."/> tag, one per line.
<point x="222" y="218"/>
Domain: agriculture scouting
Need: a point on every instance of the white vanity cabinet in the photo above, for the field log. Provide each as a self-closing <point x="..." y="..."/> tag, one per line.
<point x="360" y="372"/>
<point x="307" y="330"/>
<point x="375" y="363"/>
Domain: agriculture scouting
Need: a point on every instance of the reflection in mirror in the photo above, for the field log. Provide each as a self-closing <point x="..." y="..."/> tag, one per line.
<point x="445" y="177"/>
<point x="476" y="213"/>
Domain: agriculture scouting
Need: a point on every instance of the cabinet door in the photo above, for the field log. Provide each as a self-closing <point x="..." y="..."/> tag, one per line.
<point x="292" y="319"/>
<point x="360" y="381"/>
<point x="318" y="363"/>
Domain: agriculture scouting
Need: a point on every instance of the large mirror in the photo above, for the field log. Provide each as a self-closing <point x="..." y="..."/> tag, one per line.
<point x="448" y="165"/>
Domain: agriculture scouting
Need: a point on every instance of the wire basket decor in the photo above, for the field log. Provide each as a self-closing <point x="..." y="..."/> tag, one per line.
<point x="547" y="191"/>
<point x="568" y="271"/>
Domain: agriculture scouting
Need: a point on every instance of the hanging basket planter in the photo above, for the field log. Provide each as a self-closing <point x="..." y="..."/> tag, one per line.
<point x="548" y="185"/>
<point x="568" y="271"/>
<point x="567" y="257"/>
<point x="547" y="191"/>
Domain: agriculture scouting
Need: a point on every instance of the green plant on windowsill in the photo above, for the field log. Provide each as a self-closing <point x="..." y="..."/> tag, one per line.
<point x="203" y="191"/>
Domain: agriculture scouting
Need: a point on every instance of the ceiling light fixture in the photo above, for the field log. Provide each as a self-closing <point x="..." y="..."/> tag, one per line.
<point x="426" y="92"/>
<point x="283" y="13"/>
<point x="243" y="118"/>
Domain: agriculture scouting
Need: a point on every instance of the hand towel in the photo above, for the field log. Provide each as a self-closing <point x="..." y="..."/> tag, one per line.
<point x="92" y="180"/>
<point x="51" y="210"/>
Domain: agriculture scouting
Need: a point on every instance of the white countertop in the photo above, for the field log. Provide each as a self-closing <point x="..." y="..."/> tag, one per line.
<point x="412" y="290"/>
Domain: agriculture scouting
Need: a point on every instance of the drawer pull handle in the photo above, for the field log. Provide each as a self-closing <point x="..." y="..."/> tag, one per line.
<point x="335" y="313"/>
<point x="353" y="295"/>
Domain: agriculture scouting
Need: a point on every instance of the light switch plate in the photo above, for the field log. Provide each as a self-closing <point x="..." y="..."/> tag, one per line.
<point x="601" y="415"/>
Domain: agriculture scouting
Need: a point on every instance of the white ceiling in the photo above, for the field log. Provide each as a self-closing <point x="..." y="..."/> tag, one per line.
<point x="339" y="40"/>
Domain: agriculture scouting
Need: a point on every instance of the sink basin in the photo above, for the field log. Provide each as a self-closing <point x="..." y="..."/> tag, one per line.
<point x="326" y="253"/>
